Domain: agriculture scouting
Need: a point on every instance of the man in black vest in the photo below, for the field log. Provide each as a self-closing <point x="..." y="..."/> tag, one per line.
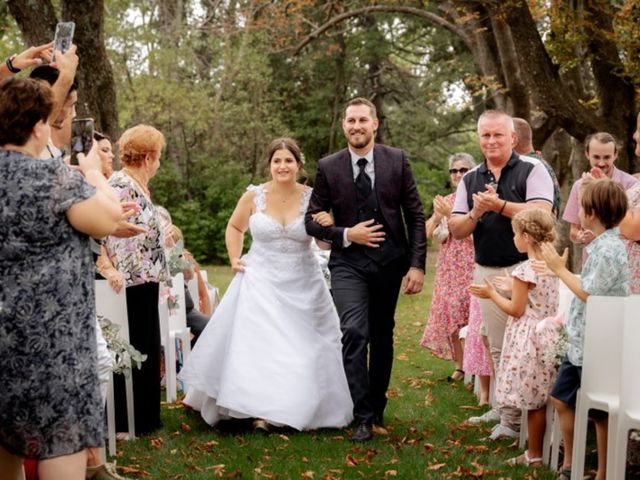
<point x="369" y="188"/>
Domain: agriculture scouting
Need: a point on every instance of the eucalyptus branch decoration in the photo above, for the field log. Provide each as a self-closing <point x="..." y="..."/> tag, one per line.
<point x="125" y="356"/>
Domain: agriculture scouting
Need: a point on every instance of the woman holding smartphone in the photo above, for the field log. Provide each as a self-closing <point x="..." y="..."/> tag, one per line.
<point x="50" y="408"/>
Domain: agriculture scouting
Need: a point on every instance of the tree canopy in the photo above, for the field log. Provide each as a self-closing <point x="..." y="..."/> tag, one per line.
<point x="221" y="78"/>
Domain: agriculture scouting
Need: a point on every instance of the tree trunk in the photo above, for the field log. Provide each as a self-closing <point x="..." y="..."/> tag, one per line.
<point x="615" y="93"/>
<point x="96" y="95"/>
<point x="517" y="94"/>
<point x="36" y="20"/>
<point x="338" y="95"/>
<point x="542" y="77"/>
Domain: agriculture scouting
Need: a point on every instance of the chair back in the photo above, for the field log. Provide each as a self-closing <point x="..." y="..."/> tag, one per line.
<point x="113" y="306"/>
<point x="602" y="360"/>
<point x="630" y="384"/>
<point x="192" y="286"/>
<point x="178" y="317"/>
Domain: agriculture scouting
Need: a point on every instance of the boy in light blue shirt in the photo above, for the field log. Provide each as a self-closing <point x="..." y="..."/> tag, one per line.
<point x="602" y="206"/>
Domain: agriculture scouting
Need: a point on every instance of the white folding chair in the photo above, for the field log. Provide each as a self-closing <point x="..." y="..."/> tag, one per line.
<point x="601" y="371"/>
<point x="113" y="306"/>
<point x="192" y="286"/>
<point x="174" y="326"/>
<point x="629" y="413"/>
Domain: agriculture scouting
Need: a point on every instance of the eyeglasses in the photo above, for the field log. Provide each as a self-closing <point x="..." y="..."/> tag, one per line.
<point x="461" y="171"/>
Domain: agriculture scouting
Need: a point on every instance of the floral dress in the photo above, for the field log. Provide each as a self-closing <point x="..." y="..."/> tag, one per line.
<point x="141" y="259"/>
<point x="633" y="195"/>
<point x="450" y="299"/>
<point x="526" y="372"/>
<point x="50" y="403"/>
<point x="477" y="360"/>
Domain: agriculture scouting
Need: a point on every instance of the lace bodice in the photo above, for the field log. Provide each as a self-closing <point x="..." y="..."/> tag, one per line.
<point x="274" y="241"/>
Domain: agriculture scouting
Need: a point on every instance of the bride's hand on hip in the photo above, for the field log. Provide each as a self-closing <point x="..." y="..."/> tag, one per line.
<point x="237" y="265"/>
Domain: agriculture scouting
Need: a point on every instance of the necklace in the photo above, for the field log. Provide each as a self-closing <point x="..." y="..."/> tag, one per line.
<point x="142" y="185"/>
<point x="284" y="197"/>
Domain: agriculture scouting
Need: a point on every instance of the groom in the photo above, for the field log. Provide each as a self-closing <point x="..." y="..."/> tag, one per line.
<point x="369" y="189"/>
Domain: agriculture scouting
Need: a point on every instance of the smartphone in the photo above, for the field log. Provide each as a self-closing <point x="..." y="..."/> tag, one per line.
<point x="63" y="38"/>
<point x="81" y="137"/>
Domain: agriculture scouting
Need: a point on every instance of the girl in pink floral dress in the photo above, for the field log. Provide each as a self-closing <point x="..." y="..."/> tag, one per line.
<point x="526" y="372"/>
<point x="477" y="360"/>
<point x="449" y="310"/>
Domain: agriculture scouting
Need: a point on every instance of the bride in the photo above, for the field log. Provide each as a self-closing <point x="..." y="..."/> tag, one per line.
<point x="272" y="349"/>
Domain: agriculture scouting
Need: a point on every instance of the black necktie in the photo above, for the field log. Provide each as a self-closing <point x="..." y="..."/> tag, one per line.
<point x="363" y="182"/>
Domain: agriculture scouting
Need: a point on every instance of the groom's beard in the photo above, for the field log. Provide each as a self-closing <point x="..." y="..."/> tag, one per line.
<point x="363" y="140"/>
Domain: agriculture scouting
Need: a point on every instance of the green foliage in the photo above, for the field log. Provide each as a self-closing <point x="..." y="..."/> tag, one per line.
<point x="220" y="81"/>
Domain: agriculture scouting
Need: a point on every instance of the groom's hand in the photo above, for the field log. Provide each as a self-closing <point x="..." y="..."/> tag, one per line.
<point x="413" y="281"/>
<point x="366" y="233"/>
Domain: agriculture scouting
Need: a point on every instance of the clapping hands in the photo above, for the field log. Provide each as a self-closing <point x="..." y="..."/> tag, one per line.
<point x="483" y="291"/>
<point x="441" y="207"/>
<point x="554" y="261"/>
<point x="486" y="201"/>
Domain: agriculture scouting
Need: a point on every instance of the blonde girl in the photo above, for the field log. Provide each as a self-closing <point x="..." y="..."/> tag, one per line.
<point x="526" y="372"/>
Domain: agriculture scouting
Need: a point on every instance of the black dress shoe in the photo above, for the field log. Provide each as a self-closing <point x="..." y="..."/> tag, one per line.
<point x="362" y="433"/>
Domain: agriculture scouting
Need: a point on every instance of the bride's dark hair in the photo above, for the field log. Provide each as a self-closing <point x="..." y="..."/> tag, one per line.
<point x="287" y="143"/>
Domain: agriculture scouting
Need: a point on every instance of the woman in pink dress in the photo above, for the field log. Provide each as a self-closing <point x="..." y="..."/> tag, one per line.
<point x="449" y="310"/>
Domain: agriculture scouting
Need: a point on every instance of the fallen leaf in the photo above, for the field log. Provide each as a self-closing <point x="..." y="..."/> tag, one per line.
<point x="156" y="442"/>
<point x="210" y="444"/>
<point x="436" y="466"/>
<point x="379" y="430"/>
<point x="428" y="398"/>
<point x="308" y="474"/>
<point x="476" y="448"/>
<point x="428" y="447"/>
<point x="185" y="427"/>
<point x="390" y="473"/>
<point x="351" y="461"/>
<point x="402" y="357"/>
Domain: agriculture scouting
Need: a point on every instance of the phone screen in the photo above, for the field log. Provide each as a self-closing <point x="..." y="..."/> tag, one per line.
<point x="63" y="38"/>
<point x="81" y="137"/>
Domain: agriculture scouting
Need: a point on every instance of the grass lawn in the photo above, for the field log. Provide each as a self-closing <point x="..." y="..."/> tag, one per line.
<point x="425" y="436"/>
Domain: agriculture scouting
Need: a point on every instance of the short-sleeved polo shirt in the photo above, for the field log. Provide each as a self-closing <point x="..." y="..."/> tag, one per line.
<point x="572" y="209"/>
<point x="522" y="179"/>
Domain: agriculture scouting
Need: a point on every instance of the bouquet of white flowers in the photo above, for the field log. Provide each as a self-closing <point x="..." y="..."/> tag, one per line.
<point x="551" y="338"/>
<point x="124" y="354"/>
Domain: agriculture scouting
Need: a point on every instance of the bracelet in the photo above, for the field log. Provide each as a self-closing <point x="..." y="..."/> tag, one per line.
<point x="502" y="209"/>
<point x="9" y="63"/>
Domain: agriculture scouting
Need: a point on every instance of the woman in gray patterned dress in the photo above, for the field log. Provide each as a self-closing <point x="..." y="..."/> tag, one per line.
<point x="50" y="407"/>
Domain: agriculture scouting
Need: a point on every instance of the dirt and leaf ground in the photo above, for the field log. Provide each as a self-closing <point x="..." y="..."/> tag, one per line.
<point x="425" y="434"/>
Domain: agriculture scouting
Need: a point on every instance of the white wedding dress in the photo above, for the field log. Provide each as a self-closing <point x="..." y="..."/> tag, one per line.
<point x="272" y="349"/>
